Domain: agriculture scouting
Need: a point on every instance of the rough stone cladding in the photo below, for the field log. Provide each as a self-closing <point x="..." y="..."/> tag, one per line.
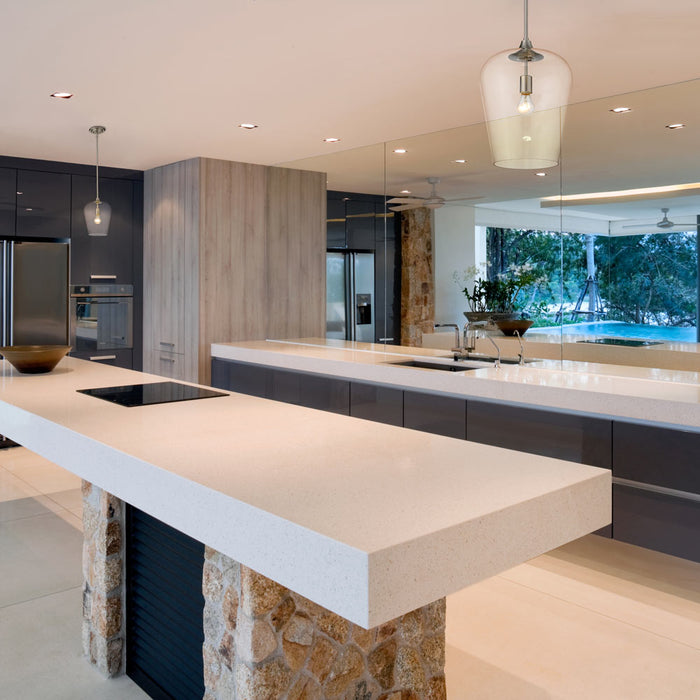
<point x="103" y="578"/>
<point x="266" y="642"/>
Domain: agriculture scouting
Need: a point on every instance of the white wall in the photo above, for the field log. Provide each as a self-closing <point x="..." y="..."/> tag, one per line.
<point x="457" y="245"/>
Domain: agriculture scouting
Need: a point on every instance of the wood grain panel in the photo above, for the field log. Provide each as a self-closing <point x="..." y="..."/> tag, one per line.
<point x="232" y="251"/>
<point x="296" y="265"/>
<point x="171" y="269"/>
<point x="232" y="254"/>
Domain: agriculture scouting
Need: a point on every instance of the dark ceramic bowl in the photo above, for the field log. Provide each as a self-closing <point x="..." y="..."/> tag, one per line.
<point x="34" y="359"/>
<point x="509" y="327"/>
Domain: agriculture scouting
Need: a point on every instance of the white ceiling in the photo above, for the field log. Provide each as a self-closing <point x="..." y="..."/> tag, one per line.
<point x="171" y="79"/>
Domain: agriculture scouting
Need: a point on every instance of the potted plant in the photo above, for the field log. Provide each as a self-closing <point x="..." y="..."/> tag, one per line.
<point x="497" y="299"/>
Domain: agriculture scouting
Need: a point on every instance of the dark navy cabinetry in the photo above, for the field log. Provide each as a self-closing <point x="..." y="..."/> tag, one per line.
<point x="108" y="259"/>
<point x="8" y="205"/>
<point x="45" y="199"/>
<point x="564" y="436"/>
<point x="43" y="204"/>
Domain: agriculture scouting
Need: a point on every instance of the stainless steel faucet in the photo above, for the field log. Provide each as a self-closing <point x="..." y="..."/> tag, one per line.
<point x="458" y="347"/>
<point x="521" y="354"/>
<point x="482" y="324"/>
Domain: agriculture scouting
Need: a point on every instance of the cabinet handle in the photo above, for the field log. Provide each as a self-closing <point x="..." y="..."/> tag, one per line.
<point x="384" y="340"/>
<point x="103" y="277"/>
<point x="166" y="359"/>
<point x="170" y="345"/>
<point x="97" y="358"/>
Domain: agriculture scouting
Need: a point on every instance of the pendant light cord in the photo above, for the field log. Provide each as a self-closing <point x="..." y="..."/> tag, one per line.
<point x="526" y="38"/>
<point x="97" y="167"/>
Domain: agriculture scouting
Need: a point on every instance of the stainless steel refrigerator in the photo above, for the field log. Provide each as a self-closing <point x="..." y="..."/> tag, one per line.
<point x="350" y="307"/>
<point x="34" y="306"/>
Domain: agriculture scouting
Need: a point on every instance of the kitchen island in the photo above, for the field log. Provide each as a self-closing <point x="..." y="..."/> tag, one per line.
<point x="362" y="526"/>
<point x="643" y="424"/>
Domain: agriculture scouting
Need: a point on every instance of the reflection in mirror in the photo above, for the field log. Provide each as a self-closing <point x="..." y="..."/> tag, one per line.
<point x="600" y="252"/>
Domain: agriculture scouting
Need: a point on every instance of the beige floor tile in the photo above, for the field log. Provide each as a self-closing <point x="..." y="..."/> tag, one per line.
<point x="71" y="500"/>
<point x="521" y="643"/>
<point x="71" y="518"/>
<point x="13" y="488"/>
<point x="46" y="477"/>
<point x="682" y="624"/>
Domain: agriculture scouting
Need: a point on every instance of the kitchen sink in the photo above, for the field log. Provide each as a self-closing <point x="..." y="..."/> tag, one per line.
<point x="444" y="366"/>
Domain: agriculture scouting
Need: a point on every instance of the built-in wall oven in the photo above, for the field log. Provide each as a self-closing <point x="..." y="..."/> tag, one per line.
<point x="102" y="317"/>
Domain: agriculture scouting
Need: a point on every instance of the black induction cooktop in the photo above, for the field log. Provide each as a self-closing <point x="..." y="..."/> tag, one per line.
<point x="625" y="342"/>
<point x="148" y="394"/>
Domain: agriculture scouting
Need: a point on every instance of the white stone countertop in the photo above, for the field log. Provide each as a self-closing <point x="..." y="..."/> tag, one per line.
<point x="368" y="520"/>
<point x="656" y="396"/>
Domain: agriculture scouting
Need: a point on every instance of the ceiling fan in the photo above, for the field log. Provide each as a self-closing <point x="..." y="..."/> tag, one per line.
<point x="432" y="201"/>
<point x="665" y="223"/>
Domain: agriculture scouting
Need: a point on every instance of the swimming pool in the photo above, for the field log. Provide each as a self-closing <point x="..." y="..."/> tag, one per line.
<point x="619" y="329"/>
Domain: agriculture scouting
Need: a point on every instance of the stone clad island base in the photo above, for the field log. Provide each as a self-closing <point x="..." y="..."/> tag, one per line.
<point x="261" y="640"/>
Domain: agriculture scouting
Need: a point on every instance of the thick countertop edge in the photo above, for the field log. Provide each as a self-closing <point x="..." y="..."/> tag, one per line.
<point x="206" y="515"/>
<point x="415" y="560"/>
<point x="646" y="410"/>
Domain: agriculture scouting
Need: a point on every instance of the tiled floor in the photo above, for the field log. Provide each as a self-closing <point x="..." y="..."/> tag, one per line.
<point x="595" y="619"/>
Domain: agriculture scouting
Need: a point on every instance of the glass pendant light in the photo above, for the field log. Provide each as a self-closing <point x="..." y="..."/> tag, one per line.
<point x="525" y="93"/>
<point x="97" y="213"/>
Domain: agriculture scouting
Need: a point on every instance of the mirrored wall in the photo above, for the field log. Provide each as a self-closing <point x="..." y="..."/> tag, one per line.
<point x="599" y="253"/>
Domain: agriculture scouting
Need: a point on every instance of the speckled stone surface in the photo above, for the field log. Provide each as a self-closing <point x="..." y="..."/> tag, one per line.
<point x="367" y="520"/>
<point x="265" y="641"/>
<point x="664" y="397"/>
<point x="103" y="574"/>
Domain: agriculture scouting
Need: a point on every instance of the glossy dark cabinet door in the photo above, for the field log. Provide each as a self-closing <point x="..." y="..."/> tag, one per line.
<point x="441" y="415"/>
<point x="116" y="358"/>
<point x="657" y="521"/>
<point x="659" y="456"/>
<point x="8" y="190"/>
<point x="376" y="403"/>
<point x="359" y="224"/>
<point x="103" y="259"/>
<point x="43" y="204"/>
<point x="335" y="223"/>
<point x="241" y="377"/>
<point x="323" y="393"/>
<point x="564" y="436"/>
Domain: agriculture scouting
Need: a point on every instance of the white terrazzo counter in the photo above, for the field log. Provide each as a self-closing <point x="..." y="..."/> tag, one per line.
<point x="367" y="520"/>
<point x="657" y="396"/>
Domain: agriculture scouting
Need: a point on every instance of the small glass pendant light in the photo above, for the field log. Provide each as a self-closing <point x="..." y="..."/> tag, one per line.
<point x="97" y="213"/>
<point x="524" y="94"/>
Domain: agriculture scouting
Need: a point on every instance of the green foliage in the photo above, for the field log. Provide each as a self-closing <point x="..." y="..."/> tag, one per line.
<point x="501" y="293"/>
<point x="650" y="278"/>
<point x="643" y="279"/>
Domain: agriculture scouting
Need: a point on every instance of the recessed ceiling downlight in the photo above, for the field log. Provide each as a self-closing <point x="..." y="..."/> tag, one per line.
<point x="541" y="174"/>
<point x="62" y="95"/>
<point x="247" y="126"/>
<point x="405" y="192"/>
<point x="460" y="161"/>
<point x="675" y="126"/>
<point x="331" y="139"/>
<point x="400" y="150"/>
<point x="620" y="110"/>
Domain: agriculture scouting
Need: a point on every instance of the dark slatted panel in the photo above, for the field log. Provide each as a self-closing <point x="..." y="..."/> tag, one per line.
<point x="164" y="633"/>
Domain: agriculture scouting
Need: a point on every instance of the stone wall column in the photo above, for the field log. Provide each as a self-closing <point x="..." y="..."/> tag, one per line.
<point x="103" y="578"/>
<point x="417" y="280"/>
<point x="262" y="640"/>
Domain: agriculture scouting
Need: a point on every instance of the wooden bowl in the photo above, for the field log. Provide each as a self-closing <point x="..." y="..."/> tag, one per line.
<point x="34" y="359"/>
<point x="509" y="327"/>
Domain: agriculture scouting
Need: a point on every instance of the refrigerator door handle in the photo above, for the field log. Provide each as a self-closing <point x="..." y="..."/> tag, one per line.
<point x="351" y="297"/>
<point x="3" y="265"/>
<point x="10" y="293"/>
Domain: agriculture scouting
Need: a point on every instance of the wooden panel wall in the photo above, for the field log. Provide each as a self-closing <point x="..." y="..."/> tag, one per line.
<point x="232" y="247"/>
<point x="296" y="254"/>
<point x="171" y="266"/>
<point x="239" y="250"/>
